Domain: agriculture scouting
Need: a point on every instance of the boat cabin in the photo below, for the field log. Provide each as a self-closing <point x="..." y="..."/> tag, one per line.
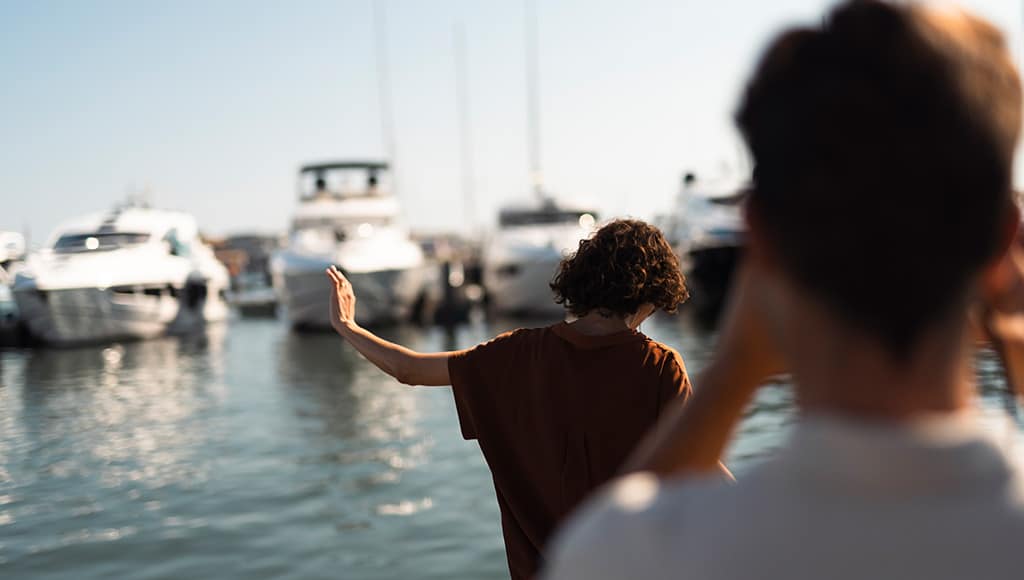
<point x="342" y="180"/>
<point x="546" y="213"/>
<point x="126" y="227"/>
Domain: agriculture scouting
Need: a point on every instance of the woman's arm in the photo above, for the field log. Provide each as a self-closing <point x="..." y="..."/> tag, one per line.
<point x="408" y="366"/>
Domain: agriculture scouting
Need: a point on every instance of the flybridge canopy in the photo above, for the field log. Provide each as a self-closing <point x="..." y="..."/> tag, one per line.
<point x="332" y="165"/>
<point x="336" y="180"/>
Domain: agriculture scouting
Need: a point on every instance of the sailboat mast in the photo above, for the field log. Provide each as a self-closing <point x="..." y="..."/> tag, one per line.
<point x="387" y="119"/>
<point x="533" y="98"/>
<point x="466" y="137"/>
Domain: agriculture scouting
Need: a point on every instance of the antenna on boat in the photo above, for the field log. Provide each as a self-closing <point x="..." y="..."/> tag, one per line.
<point x="466" y="137"/>
<point x="387" y="119"/>
<point x="533" y="97"/>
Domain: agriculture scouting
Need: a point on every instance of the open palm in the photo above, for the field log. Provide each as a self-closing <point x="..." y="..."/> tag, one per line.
<point x="343" y="299"/>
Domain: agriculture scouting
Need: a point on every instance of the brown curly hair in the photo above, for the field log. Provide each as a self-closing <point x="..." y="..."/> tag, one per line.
<point x="625" y="264"/>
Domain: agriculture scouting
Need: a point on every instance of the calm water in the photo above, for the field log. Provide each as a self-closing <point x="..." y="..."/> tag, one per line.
<point x="252" y="452"/>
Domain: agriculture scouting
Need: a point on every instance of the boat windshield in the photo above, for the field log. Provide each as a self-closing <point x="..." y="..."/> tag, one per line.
<point x="98" y="241"/>
<point x="537" y="217"/>
<point x="343" y="183"/>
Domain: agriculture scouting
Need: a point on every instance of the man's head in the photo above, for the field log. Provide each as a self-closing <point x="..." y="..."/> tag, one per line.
<point x="883" y="144"/>
<point x="623" y="266"/>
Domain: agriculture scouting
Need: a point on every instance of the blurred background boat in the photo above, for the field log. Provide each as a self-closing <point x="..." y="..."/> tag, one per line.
<point x="252" y="295"/>
<point x="12" y="249"/>
<point x="12" y="252"/>
<point x="706" y="228"/>
<point x="247" y="257"/>
<point x="522" y="255"/>
<point x="131" y="273"/>
<point x="348" y="217"/>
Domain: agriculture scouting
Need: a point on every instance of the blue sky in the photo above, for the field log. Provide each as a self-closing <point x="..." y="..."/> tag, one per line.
<point x="212" y="105"/>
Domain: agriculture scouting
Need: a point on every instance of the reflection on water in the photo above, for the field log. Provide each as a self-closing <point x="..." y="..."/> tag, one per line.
<point x="90" y="436"/>
<point x="254" y="452"/>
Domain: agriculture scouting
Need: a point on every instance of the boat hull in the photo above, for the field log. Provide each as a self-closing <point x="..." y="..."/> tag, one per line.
<point x="255" y="302"/>
<point x="382" y="296"/>
<point x="709" y="276"/>
<point x="524" y="289"/>
<point x="90" y="315"/>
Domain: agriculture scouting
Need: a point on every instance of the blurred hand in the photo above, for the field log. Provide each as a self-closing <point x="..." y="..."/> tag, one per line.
<point x="745" y="345"/>
<point x="343" y="300"/>
<point x="691" y="438"/>
<point x="1003" y="316"/>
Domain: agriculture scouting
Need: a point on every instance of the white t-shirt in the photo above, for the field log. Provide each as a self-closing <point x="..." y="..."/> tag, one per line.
<point x="938" y="499"/>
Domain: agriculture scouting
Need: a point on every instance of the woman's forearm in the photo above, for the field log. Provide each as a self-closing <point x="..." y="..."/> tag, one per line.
<point x="406" y="365"/>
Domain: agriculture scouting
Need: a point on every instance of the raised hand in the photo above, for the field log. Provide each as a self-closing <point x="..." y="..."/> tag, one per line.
<point x="343" y="300"/>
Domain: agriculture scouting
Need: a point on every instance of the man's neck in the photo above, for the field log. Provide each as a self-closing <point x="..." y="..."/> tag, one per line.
<point x="843" y="373"/>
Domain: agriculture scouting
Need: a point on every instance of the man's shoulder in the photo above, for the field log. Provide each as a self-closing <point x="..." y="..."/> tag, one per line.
<point x="633" y="527"/>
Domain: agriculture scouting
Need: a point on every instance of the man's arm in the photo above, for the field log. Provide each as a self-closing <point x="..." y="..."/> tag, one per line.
<point x="692" y="438"/>
<point x="674" y="395"/>
<point x="406" y="365"/>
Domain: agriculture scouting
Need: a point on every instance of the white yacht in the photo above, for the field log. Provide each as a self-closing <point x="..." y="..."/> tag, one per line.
<point x="347" y="217"/>
<point x="130" y="273"/>
<point x="706" y="215"/>
<point x="707" y="230"/>
<point x="522" y="256"/>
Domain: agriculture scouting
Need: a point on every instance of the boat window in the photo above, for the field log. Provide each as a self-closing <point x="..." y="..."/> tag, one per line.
<point x="535" y="217"/>
<point x="342" y="183"/>
<point x="729" y="200"/>
<point x="98" y="241"/>
<point x="174" y="245"/>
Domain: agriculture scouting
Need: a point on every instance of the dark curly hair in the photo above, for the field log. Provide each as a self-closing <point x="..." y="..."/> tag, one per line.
<point x="625" y="264"/>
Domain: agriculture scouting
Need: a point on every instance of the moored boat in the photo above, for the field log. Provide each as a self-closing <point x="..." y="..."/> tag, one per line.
<point x="131" y="273"/>
<point x="522" y="256"/>
<point x="348" y="218"/>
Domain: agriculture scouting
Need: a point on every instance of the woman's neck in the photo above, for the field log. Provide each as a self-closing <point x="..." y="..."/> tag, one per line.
<point x="596" y="324"/>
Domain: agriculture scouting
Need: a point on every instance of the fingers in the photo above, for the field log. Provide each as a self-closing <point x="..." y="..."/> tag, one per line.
<point x="337" y="277"/>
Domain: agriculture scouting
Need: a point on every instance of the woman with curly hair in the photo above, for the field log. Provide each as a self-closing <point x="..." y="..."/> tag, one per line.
<point x="556" y="410"/>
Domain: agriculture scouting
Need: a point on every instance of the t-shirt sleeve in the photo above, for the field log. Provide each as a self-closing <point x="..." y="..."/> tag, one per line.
<point x="472" y="373"/>
<point x="674" y="387"/>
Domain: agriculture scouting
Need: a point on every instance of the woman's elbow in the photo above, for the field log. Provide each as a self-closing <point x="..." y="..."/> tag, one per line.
<point x="409" y="380"/>
<point x="422" y="371"/>
<point x="406" y="375"/>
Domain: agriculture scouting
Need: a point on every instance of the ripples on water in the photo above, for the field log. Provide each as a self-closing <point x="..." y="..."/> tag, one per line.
<point x="253" y="452"/>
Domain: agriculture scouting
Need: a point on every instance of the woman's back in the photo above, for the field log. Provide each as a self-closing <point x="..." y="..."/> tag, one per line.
<point x="556" y="412"/>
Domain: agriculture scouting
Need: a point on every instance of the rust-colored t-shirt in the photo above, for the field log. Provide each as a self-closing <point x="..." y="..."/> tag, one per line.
<point x="556" y="412"/>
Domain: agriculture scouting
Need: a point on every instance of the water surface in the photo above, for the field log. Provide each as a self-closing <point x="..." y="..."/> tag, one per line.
<point x="253" y="452"/>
